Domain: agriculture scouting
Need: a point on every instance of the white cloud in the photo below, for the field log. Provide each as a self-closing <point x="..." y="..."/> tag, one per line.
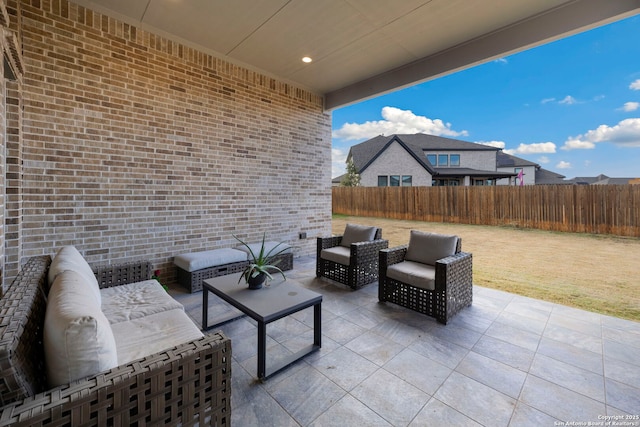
<point x="496" y="144"/>
<point x="543" y="160"/>
<point x="624" y="134"/>
<point x="538" y="147"/>
<point x="396" y="121"/>
<point x="563" y="165"/>
<point x="630" y="106"/>
<point x="568" y="100"/>
<point x="547" y="100"/>
<point x="501" y="61"/>
<point x="338" y="162"/>
<point x="635" y="85"/>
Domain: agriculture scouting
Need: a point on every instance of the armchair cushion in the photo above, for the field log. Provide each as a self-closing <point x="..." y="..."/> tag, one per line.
<point x="338" y="254"/>
<point x="427" y="248"/>
<point x="414" y="273"/>
<point x="354" y="233"/>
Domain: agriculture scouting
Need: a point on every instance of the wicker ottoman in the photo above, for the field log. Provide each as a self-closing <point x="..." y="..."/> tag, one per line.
<point x="195" y="267"/>
<point x="284" y="261"/>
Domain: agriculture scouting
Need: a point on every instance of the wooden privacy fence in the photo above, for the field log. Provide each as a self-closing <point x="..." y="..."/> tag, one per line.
<point x="600" y="209"/>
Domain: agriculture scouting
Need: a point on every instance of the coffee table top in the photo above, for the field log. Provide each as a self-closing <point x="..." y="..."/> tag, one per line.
<point x="279" y="299"/>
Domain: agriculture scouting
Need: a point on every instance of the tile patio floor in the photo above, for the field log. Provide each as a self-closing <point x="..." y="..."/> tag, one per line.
<point x="505" y="361"/>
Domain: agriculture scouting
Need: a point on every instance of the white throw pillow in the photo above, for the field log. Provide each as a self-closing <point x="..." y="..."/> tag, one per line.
<point x="68" y="258"/>
<point x="78" y="341"/>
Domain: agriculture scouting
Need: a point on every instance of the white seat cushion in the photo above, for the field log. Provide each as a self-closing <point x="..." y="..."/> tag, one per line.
<point x="78" y="341"/>
<point x="135" y="300"/>
<point x="414" y="273"/>
<point x="354" y="233"/>
<point x="198" y="260"/>
<point x="427" y="248"/>
<point x="153" y="333"/>
<point x="68" y="258"/>
<point x="338" y="254"/>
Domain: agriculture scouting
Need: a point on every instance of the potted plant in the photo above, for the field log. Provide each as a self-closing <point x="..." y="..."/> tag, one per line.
<point x="261" y="264"/>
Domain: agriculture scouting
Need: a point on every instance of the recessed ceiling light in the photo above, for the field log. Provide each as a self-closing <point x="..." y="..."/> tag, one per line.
<point x="306" y="59"/>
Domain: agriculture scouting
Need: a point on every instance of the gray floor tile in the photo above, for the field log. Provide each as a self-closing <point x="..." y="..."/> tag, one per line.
<point x="569" y="376"/>
<point x="439" y="350"/>
<point x="397" y="401"/>
<point x="575" y="338"/>
<point x="505" y="352"/>
<point x="492" y="373"/>
<point x="363" y="318"/>
<point x="572" y="355"/>
<point x="436" y="413"/>
<point x="526" y="416"/>
<point x="623" y="397"/>
<point x="417" y="370"/>
<point x="475" y="400"/>
<point x="398" y="332"/>
<point x="559" y="402"/>
<point x="622" y="351"/>
<point x="342" y="331"/>
<point x="375" y="348"/>
<point x="345" y="368"/>
<point x="525" y="323"/>
<point x="622" y="372"/>
<point x="349" y="411"/>
<point x="458" y="335"/>
<point x="513" y="335"/>
<point x="583" y="326"/>
<point x="306" y="395"/>
<point x="622" y="336"/>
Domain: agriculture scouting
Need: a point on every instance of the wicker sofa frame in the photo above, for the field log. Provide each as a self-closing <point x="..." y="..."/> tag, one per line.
<point x="192" y="280"/>
<point x="187" y="385"/>
<point x="453" y="285"/>
<point x="363" y="268"/>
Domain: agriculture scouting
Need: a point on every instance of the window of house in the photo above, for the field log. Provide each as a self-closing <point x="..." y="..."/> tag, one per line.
<point x="454" y="160"/>
<point x="407" y="180"/>
<point x="382" y="181"/>
<point x="443" y="160"/>
<point x="394" y="180"/>
<point x="433" y="159"/>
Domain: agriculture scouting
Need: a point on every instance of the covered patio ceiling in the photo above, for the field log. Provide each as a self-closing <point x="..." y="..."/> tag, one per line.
<point x="363" y="48"/>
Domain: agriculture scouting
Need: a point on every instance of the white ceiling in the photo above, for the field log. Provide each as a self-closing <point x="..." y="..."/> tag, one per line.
<point x="362" y="48"/>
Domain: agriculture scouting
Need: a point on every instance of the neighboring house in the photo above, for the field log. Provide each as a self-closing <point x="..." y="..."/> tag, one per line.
<point x="532" y="173"/>
<point x="335" y="182"/>
<point x="586" y="180"/>
<point x="425" y="160"/>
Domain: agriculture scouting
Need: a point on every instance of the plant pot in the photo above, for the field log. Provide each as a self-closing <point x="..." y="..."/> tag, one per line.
<point x="256" y="282"/>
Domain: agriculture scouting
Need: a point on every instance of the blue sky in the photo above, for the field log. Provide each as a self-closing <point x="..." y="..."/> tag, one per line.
<point x="572" y="106"/>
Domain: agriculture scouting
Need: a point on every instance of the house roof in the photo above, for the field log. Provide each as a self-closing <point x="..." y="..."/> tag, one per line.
<point x="586" y="180"/>
<point x="544" y="176"/>
<point x="614" y="181"/>
<point x="365" y="153"/>
<point x="505" y="160"/>
<point x="361" y="49"/>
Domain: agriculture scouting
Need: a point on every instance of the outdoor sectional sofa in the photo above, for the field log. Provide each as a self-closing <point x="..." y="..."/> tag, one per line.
<point x="187" y="383"/>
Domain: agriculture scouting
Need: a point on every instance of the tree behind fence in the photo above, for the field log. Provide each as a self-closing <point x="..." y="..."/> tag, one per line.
<point x="600" y="209"/>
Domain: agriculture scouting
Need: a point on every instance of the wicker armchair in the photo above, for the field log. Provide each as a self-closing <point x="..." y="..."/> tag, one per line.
<point x="449" y="289"/>
<point x="357" y="262"/>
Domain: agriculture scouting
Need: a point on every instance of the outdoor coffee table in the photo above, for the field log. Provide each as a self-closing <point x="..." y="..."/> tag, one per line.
<point x="280" y="299"/>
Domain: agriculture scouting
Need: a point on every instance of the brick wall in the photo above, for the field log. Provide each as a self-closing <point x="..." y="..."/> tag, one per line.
<point x="134" y="146"/>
